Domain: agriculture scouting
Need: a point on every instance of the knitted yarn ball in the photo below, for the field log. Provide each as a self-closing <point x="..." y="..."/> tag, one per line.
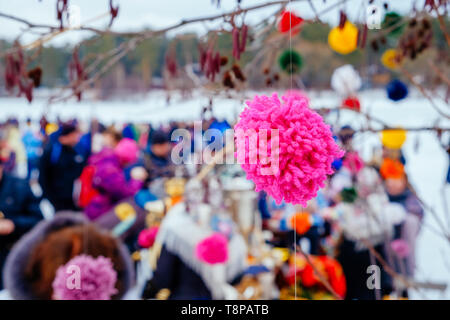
<point x="345" y="80"/>
<point x="353" y="162"/>
<point x="393" y="138"/>
<point x="288" y="21"/>
<point x="392" y="19"/>
<point x="290" y="61"/>
<point x="396" y="90"/>
<point x="401" y="248"/>
<point x="306" y="148"/>
<point x="301" y="222"/>
<point x="212" y="249"/>
<point x="351" y="103"/>
<point x="390" y="59"/>
<point x="97" y="279"/>
<point x="349" y="195"/>
<point x="391" y="169"/>
<point x="343" y="40"/>
<point x="147" y="237"/>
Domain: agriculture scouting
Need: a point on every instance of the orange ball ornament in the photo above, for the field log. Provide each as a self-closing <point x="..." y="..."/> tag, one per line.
<point x="301" y="222"/>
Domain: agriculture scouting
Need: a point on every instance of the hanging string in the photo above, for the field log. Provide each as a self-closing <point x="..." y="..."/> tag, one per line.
<point x="295" y="220"/>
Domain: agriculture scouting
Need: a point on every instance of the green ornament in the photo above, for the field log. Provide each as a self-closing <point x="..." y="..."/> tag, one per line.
<point x="349" y="195"/>
<point x="290" y="61"/>
<point x="393" y="19"/>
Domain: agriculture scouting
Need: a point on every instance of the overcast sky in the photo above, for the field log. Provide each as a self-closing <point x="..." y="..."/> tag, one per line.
<point x="138" y="14"/>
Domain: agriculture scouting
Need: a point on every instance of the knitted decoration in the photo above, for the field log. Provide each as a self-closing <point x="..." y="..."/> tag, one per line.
<point x="391" y="169"/>
<point x="290" y="61"/>
<point x="353" y="162"/>
<point x="401" y="248"/>
<point x="212" y="249"/>
<point x="396" y="90"/>
<point x="289" y="21"/>
<point x="301" y="222"/>
<point x="392" y="19"/>
<point x="343" y="40"/>
<point x="97" y="279"/>
<point x="349" y="195"/>
<point x="147" y="237"/>
<point x="299" y="167"/>
<point x="393" y="138"/>
<point x="346" y="80"/>
<point x="351" y="103"/>
<point x="390" y="59"/>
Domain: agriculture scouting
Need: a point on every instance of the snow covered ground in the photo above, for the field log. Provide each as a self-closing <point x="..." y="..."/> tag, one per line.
<point x="427" y="162"/>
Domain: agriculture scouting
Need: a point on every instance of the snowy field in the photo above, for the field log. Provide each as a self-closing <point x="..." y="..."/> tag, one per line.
<point x="427" y="162"/>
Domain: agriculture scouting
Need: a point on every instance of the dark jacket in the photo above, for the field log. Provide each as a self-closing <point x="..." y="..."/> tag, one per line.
<point x="409" y="201"/>
<point x="17" y="203"/>
<point x="173" y="274"/>
<point x="355" y="263"/>
<point x="59" y="167"/>
<point x="158" y="167"/>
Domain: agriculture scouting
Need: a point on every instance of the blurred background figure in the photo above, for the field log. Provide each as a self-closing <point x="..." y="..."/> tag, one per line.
<point x="61" y="164"/>
<point x="32" y="267"/>
<point x="19" y="208"/>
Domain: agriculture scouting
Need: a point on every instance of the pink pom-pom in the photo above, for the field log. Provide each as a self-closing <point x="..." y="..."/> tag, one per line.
<point x="212" y="249"/>
<point x="353" y="162"/>
<point x="147" y="237"/>
<point x="401" y="248"/>
<point x="85" y="278"/>
<point x="127" y="150"/>
<point x="296" y="168"/>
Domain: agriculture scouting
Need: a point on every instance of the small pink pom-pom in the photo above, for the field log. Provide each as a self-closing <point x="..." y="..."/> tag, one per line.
<point x="212" y="249"/>
<point x="85" y="278"/>
<point x="353" y="162"/>
<point x="296" y="168"/>
<point x="401" y="248"/>
<point x="147" y="237"/>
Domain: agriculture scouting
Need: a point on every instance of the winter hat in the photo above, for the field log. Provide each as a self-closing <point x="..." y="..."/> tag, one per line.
<point x="127" y="150"/>
<point x="67" y="128"/>
<point x="159" y="137"/>
<point x="97" y="279"/>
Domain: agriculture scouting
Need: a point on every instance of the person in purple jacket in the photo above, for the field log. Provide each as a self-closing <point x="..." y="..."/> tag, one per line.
<point x="109" y="179"/>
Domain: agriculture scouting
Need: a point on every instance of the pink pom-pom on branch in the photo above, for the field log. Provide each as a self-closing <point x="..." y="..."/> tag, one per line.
<point x="285" y="148"/>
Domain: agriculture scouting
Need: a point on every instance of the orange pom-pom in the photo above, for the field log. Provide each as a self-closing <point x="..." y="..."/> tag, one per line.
<point x="301" y="222"/>
<point x="391" y="169"/>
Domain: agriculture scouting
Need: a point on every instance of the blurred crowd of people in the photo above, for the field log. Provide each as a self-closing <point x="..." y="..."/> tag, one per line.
<point x="115" y="192"/>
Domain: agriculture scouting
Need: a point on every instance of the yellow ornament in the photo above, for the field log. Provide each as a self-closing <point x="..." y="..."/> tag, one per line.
<point x="389" y="59"/>
<point x="393" y="138"/>
<point x="343" y="40"/>
<point x="124" y="211"/>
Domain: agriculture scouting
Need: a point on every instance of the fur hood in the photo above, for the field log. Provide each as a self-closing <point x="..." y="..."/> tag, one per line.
<point x="13" y="273"/>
